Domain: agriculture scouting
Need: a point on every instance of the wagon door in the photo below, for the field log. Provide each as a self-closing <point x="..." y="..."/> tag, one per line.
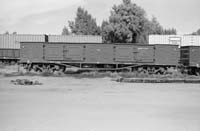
<point x="99" y="53"/>
<point x="144" y="54"/>
<point x="167" y="54"/>
<point x="53" y="52"/>
<point x="123" y="53"/>
<point x="31" y="52"/>
<point x="106" y="54"/>
<point x="74" y="52"/>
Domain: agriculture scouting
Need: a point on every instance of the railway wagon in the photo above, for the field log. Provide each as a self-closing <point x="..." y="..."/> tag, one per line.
<point x="190" y="58"/>
<point x="99" y="56"/>
<point x="9" y="55"/>
<point x="10" y="45"/>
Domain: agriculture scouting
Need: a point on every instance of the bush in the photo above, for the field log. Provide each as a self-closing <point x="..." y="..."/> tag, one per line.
<point x="94" y="74"/>
<point x="46" y="73"/>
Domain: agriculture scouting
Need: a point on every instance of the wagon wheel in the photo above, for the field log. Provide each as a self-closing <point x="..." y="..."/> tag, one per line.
<point x="151" y="70"/>
<point x="27" y="67"/>
<point x="164" y="71"/>
<point x="60" y="70"/>
<point x="198" y="73"/>
<point x="140" y="69"/>
<point x="45" y="68"/>
<point x="161" y="71"/>
<point x="157" y="71"/>
<point x="37" y="68"/>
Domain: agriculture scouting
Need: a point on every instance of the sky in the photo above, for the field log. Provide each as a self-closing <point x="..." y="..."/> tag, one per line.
<point x="50" y="16"/>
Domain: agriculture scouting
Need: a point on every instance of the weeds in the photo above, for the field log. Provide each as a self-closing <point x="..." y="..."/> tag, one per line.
<point x="96" y="74"/>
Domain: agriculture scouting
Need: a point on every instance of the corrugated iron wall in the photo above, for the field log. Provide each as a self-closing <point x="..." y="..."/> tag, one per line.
<point x="181" y="40"/>
<point x="13" y="41"/>
<point x="190" y="41"/>
<point x="75" y="38"/>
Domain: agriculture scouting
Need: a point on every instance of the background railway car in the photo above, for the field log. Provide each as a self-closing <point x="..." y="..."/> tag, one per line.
<point x="75" y="39"/>
<point x="9" y="55"/>
<point x="181" y="40"/>
<point x="190" y="58"/>
<point x="165" y="39"/>
<point x="10" y="45"/>
<point x="12" y="41"/>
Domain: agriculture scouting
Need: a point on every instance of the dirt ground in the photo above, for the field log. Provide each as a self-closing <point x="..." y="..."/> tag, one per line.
<point x="71" y="104"/>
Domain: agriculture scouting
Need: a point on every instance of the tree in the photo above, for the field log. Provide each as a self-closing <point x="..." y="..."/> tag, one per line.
<point x="6" y="33"/>
<point x="65" y="31"/>
<point x="197" y="32"/>
<point x="126" y="23"/>
<point x="155" y="27"/>
<point x="169" y="31"/>
<point x="106" y="30"/>
<point x="84" y="24"/>
<point x="150" y="27"/>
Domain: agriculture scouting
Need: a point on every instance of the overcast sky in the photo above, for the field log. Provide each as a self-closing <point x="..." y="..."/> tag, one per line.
<point x="50" y="16"/>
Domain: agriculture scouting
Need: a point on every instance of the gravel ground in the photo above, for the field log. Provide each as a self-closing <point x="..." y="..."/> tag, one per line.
<point x="71" y="104"/>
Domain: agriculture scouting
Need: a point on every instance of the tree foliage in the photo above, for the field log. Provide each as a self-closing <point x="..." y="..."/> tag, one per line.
<point x="14" y="33"/>
<point x="169" y="31"/>
<point x="84" y="24"/>
<point x="154" y="26"/>
<point x="150" y="27"/>
<point x="128" y="24"/>
<point x="6" y="33"/>
<point x="125" y="23"/>
<point x="65" y="31"/>
<point x="197" y="32"/>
